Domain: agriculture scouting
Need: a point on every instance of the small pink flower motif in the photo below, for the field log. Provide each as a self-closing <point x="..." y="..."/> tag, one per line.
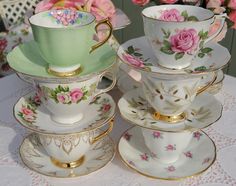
<point x="171" y="168"/>
<point x="188" y="154"/>
<point x="133" y="60"/>
<point x="185" y="40"/>
<point x="206" y="160"/>
<point x="144" y="156"/>
<point x="29" y="118"/>
<point x="27" y="111"/>
<point x="63" y="98"/>
<point x="127" y="136"/>
<point x="106" y="107"/>
<point x="76" y="95"/>
<point x="157" y="134"/>
<point x="170" y="147"/>
<point x="3" y="44"/>
<point x="131" y="163"/>
<point x="197" y="135"/>
<point x="171" y="15"/>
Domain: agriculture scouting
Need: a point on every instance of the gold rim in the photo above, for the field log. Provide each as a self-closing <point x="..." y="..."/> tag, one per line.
<point x="162" y="130"/>
<point x="170" y="179"/>
<point x="69" y="165"/>
<point x="99" y="124"/>
<point x="169" y="119"/>
<point x="108" y="161"/>
<point x="65" y="74"/>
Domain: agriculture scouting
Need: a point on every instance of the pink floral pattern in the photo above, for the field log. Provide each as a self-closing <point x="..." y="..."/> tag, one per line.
<point x="170" y="147"/>
<point x="170" y="168"/>
<point x="197" y="135"/>
<point x="133" y="60"/>
<point x="144" y="157"/>
<point x="171" y="15"/>
<point x="188" y="154"/>
<point x="157" y="135"/>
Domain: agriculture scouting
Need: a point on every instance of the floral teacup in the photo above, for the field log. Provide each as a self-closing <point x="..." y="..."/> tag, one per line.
<point x="67" y="99"/>
<point x="177" y="33"/>
<point x="166" y="146"/>
<point x="67" y="151"/>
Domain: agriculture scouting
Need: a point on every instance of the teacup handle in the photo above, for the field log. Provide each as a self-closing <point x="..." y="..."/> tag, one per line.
<point x="106" y="132"/>
<point x="101" y="91"/>
<point x="106" y="22"/>
<point x="199" y="91"/>
<point x="222" y="21"/>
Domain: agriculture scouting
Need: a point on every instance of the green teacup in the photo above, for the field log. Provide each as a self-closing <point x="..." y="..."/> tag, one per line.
<point x="65" y="38"/>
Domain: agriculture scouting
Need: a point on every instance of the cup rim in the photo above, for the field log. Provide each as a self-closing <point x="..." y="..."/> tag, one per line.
<point x="174" y="5"/>
<point x="62" y="28"/>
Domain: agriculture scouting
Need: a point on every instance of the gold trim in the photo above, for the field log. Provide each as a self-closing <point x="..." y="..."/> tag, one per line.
<point x="71" y="175"/>
<point x="65" y="74"/>
<point x="208" y="85"/>
<point x="169" y="119"/>
<point x="69" y="165"/>
<point x="169" y="179"/>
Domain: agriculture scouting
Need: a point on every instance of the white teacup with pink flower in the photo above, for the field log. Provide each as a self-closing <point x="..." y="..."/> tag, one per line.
<point x="178" y="33"/>
<point x="67" y="99"/>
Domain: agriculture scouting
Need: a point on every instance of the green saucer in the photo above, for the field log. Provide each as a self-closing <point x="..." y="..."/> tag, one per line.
<point x="26" y="59"/>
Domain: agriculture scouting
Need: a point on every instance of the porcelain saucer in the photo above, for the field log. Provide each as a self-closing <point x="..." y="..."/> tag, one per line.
<point x="138" y="54"/>
<point x="26" y="59"/>
<point x="204" y="111"/>
<point x="29" y="112"/>
<point x="36" y="158"/>
<point x="195" y="159"/>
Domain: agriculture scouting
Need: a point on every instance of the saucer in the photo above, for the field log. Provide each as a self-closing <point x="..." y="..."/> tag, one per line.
<point x="36" y="158"/>
<point x="195" y="159"/>
<point x="34" y="116"/>
<point x="138" y="54"/>
<point x="26" y="59"/>
<point x="204" y="111"/>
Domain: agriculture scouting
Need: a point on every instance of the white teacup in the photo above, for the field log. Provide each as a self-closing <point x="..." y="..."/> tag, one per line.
<point x="166" y="146"/>
<point x="67" y="99"/>
<point x="67" y="151"/>
<point x="178" y="32"/>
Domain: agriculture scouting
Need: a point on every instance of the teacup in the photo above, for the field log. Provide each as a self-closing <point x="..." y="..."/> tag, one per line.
<point x="65" y="37"/>
<point x="67" y="99"/>
<point x="166" y="146"/>
<point x="178" y="33"/>
<point x="68" y="151"/>
<point x="170" y="95"/>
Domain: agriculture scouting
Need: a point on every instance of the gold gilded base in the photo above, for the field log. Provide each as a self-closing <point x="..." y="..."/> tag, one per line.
<point x="169" y="119"/>
<point x="64" y="74"/>
<point x="70" y="165"/>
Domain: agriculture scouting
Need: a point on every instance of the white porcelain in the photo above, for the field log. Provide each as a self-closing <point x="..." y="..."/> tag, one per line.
<point x="137" y="54"/>
<point x="204" y="111"/>
<point x="98" y="155"/>
<point x="71" y="147"/>
<point x="31" y="114"/>
<point x="166" y="146"/>
<point x="197" y="157"/>
<point x="178" y="32"/>
<point x="66" y="101"/>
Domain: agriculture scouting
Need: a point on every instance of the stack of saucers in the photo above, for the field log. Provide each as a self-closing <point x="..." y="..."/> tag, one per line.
<point x="170" y="105"/>
<point x="68" y="109"/>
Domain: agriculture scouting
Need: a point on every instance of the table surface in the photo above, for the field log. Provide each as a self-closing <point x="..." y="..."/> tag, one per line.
<point x="13" y="172"/>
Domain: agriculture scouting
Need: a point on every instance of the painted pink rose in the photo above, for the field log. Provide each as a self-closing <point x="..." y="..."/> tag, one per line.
<point x="157" y="134"/>
<point x="185" y="40"/>
<point x="133" y="60"/>
<point x="171" y="168"/>
<point x="170" y="147"/>
<point x="63" y="98"/>
<point x="232" y="17"/>
<point x="106" y="107"/>
<point x="27" y="111"/>
<point x="141" y="2"/>
<point x="188" y="154"/>
<point x="168" y="1"/>
<point x="171" y="15"/>
<point x="3" y="44"/>
<point x="76" y="95"/>
<point x="197" y="135"/>
<point x="232" y="4"/>
<point x="29" y="118"/>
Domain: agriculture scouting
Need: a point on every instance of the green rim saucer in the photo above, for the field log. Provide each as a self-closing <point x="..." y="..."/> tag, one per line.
<point x="26" y="59"/>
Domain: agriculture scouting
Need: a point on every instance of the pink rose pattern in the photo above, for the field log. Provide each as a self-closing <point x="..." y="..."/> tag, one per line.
<point x="133" y="60"/>
<point x="144" y="157"/>
<point x="171" y="15"/>
<point x="197" y="135"/>
<point x="188" y="154"/>
<point x="170" y="168"/>
<point x="157" y="135"/>
<point x="170" y="147"/>
<point x="105" y="108"/>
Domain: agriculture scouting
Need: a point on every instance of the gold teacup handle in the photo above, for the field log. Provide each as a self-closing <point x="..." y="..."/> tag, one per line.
<point x="208" y="85"/>
<point x="106" y="132"/>
<point x="106" y="22"/>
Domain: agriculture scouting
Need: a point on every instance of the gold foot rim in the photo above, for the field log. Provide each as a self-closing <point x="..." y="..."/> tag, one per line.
<point x="69" y="165"/>
<point x="64" y="74"/>
<point x="170" y="119"/>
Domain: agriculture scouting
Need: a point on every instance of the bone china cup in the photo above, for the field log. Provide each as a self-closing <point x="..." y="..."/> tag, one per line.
<point x="65" y="37"/>
<point x="166" y="147"/>
<point x="69" y="149"/>
<point x="67" y="100"/>
<point x="178" y="33"/>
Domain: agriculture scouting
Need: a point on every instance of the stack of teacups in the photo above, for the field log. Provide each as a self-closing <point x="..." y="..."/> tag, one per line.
<point x="67" y="110"/>
<point x="171" y="108"/>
